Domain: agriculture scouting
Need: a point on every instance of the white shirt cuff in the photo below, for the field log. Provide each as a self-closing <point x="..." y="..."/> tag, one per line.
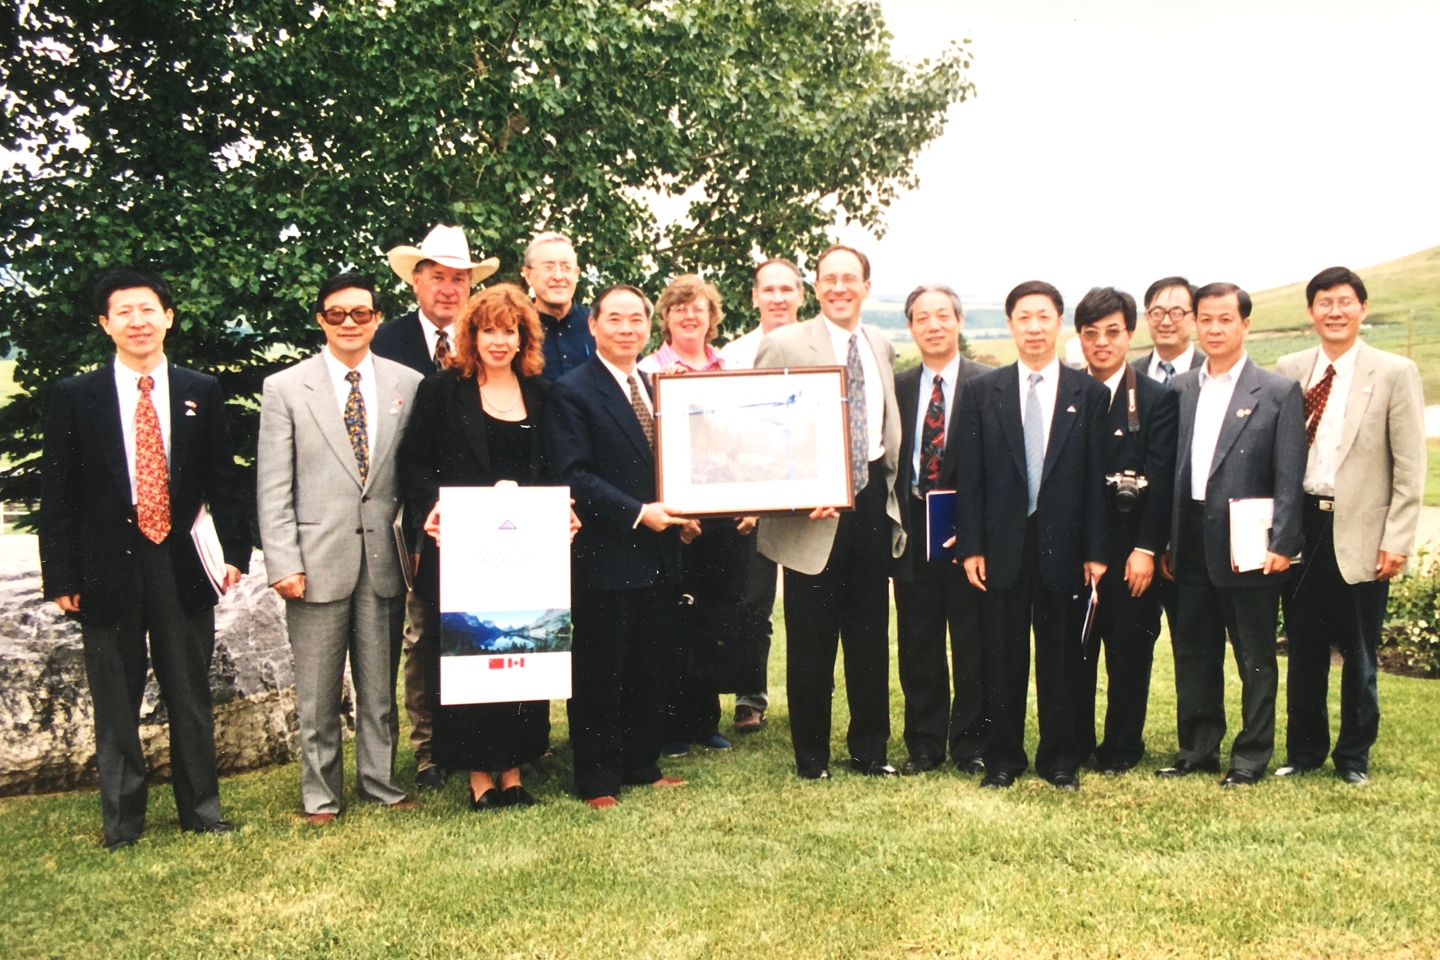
<point x="638" y="516"/>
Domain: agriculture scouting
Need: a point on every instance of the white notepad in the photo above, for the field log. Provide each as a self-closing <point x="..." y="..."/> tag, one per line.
<point x="1250" y="522"/>
<point x="207" y="545"/>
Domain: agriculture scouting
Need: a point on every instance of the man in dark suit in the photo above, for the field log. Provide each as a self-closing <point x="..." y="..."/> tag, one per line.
<point x="1139" y="448"/>
<point x="551" y="270"/>
<point x="1030" y="509"/>
<point x="133" y="451"/>
<point x="1241" y="436"/>
<point x="625" y="562"/>
<point x="933" y="594"/>
<point x="442" y="274"/>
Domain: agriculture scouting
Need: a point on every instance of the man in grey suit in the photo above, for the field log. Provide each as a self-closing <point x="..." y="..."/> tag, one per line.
<point x="327" y="499"/>
<point x="1242" y="436"/>
<point x="837" y="567"/>
<point x="1364" y="477"/>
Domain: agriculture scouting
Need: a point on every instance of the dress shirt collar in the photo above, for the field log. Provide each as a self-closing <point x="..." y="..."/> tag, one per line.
<point x="337" y="367"/>
<point x="1182" y="363"/>
<point x="130" y="378"/>
<point x="1344" y="364"/>
<point x="947" y="375"/>
<point x="1050" y="373"/>
<point x="839" y="335"/>
<point x="1113" y="383"/>
<point x="666" y="355"/>
<point x="623" y="379"/>
<point x="1229" y="376"/>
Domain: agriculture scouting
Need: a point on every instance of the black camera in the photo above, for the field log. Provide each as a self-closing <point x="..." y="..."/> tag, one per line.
<point x="1127" y="489"/>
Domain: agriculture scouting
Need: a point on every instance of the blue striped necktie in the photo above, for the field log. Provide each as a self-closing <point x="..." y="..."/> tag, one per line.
<point x="859" y="417"/>
<point x="1168" y="369"/>
<point x="1034" y="442"/>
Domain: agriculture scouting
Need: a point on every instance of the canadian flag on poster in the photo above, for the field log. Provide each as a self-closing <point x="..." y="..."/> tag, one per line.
<point x="504" y="594"/>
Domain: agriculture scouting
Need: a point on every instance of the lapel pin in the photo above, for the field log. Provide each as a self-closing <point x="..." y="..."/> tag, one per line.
<point x="1119" y="433"/>
<point x="1244" y="411"/>
<point x="189" y="413"/>
<point x="1070" y="409"/>
<point x="190" y="404"/>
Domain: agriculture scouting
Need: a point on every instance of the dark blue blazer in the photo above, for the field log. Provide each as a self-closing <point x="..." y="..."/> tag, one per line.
<point x="88" y="532"/>
<point x="403" y="341"/>
<point x="1150" y="453"/>
<point x="992" y="497"/>
<point x="593" y="442"/>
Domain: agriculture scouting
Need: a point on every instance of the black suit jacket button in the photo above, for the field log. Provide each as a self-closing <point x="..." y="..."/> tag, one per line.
<point x="359" y="529"/>
<point x="364" y="499"/>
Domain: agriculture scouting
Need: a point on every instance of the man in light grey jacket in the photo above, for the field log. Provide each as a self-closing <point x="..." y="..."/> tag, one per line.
<point x="329" y="429"/>
<point x="1364" y="477"/>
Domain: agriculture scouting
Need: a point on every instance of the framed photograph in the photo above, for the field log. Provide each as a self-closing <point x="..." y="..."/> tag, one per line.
<point x="752" y="442"/>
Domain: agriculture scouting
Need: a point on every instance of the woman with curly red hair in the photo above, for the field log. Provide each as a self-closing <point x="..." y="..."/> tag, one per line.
<point x="477" y="423"/>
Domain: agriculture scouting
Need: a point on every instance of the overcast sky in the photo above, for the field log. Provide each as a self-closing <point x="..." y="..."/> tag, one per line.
<point x="1114" y="142"/>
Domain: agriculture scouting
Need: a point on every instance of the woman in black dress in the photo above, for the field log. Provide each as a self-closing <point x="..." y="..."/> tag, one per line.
<point x="477" y="423"/>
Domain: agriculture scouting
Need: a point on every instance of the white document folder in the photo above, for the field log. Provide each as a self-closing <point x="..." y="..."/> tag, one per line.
<point x="207" y="545"/>
<point x="1250" y="522"/>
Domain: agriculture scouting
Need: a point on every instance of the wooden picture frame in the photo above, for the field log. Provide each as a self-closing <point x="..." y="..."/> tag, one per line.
<point x="753" y="442"/>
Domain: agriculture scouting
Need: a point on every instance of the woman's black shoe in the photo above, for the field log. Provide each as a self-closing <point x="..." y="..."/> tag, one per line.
<point x="489" y="800"/>
<point x="517" y="796"/>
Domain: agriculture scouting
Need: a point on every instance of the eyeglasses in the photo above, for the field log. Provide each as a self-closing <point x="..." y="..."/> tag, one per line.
<point x="1325" y="304"/>
<point x="361" y="315"/>
<point x="1092" y="334"/>
<point x="1176" y="314"/>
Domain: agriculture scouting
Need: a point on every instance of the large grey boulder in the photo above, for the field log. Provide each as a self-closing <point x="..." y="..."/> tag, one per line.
<point x="47" y="735"/>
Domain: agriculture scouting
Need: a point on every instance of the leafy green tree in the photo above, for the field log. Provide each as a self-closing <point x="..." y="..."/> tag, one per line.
<point x="248" y="148"/>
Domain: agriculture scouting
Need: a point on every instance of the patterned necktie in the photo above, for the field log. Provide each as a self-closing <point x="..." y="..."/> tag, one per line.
<point x="152" y="478"/>
<point x="1315" y="399"/>
<point x="355" y="424"/>
<point x="647" y="422"/>
<point x="1167" y="368"/>
<point x="1034" y="442"/>
<point x="859" y="416"/>
<point x="442" y="350"/>
<point x="932" y="438"/>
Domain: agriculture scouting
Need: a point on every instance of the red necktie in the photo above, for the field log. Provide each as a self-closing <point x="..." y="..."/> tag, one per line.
<point x="1315" y="399"/>
<point x="152" y="478"/>
<point x="932" y="438"/>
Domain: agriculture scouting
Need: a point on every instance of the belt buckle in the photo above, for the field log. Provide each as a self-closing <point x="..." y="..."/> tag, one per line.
<point x="1326" y="504"/>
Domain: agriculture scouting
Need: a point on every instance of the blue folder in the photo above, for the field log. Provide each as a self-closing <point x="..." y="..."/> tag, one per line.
<point x="939" y="524"/>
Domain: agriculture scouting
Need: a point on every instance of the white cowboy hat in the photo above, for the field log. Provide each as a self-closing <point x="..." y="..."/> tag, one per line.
<point x="445" y="245"/>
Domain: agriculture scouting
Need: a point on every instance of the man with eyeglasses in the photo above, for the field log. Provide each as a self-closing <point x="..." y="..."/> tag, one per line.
<point x="327" y="498"/>
<point x="552" y="270"/>
<point x="442" y="275"/>
<point x="1170" y="312"/>
<point x="1364" y="477"/>
<point x="1139" y="459"/>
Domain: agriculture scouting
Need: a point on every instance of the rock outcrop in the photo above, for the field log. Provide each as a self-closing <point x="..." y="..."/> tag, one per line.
<point x="47" y="736"/>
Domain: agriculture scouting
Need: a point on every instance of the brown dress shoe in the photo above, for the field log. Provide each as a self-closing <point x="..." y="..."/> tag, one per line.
<point x="669" y="782"/>
<point x="319" y="819"/>
<point x="602" y="803"/>
<point x="748" y="719"/>
<point x="405" y="804"/>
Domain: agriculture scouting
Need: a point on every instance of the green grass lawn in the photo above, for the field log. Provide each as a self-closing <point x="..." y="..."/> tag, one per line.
<point x="750" y="862"/>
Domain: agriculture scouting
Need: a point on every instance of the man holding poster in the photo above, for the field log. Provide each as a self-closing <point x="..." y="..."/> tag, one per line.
<point x="625" y="564"/>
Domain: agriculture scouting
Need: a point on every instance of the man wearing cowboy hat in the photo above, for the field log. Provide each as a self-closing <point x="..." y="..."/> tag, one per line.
<point x="441" y="273"/>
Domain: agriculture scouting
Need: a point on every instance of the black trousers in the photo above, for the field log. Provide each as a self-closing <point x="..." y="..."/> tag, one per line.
<point x="1009" y="616"/>
<point x="1127" y="628"/>
<point x="619" y="660"/>
<point x="713" y="594"/>
<point x="1321" y="611"/>
<point x="939" y="596"/>
<point x="846" y="604"/>
<point x="1206" y="614"/>
<point x="181" y="646"/>
<point x="760" y="580"/>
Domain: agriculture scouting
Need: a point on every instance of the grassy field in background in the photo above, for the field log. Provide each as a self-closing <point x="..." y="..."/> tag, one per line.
<point x="749" y="862"/>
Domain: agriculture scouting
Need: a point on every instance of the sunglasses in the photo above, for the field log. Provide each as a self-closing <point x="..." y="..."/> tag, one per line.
<point x="361" y="315"/>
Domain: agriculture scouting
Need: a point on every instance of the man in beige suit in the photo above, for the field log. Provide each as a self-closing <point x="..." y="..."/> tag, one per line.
<point x="837" y="567"/>
<point x="1365" y="423"/>
<point x="327" y="496"/>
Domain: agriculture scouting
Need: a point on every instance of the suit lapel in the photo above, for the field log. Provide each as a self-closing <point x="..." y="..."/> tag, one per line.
<point x="465" y="395"/>
<point x="1007" y="408"/>
<point x="821" y="345"/>
<point x="1362" y="388"/>
<point x="184" y="407"/>
<point x="325" y="408"/>
<point x="390" y="400"/>
<point x="106" y="399"/>
<point x="1230" y="428"/>
<point x="619" y="408"/>
<point x="1068" y="397"/>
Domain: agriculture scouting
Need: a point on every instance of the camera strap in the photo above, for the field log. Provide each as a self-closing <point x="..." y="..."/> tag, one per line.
<point x="1132" y="413"/>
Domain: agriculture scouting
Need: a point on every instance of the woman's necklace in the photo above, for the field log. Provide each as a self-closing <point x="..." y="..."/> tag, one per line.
<point x="495" y="406"/>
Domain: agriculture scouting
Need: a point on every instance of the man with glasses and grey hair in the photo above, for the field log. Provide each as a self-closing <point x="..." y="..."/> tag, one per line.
<point x="552" y="270"/>
<point x="933" y="594"/>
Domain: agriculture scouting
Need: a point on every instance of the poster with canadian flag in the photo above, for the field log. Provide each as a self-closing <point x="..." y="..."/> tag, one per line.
<point x="504" y="594"/>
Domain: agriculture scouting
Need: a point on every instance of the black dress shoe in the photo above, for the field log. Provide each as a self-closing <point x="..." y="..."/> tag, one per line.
<point x="432" y="778"/>
<point x="1294" y="770"/>
<point x="120" y="845"/>
<point x="1182" y="767"/>
<point x="1115" y="769"/>
<point x="489" y="800"/>
<point x="918" y="765"/>
<point x="1356" y="778"/>
<point x="517" y="796"/>
<point x="971" y="765"/>
<point x="999" y="780"/>
<point x="218" y="827"/>
<point x="873" y="768"/>
<point x="1240" y="778"/>
<point x="813" y="773"/>
<point x="1065" y="781"/>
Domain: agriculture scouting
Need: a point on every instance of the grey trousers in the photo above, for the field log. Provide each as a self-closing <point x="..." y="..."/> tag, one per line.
<point x="366" y="628"/>
<point x="181" y="645"/>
